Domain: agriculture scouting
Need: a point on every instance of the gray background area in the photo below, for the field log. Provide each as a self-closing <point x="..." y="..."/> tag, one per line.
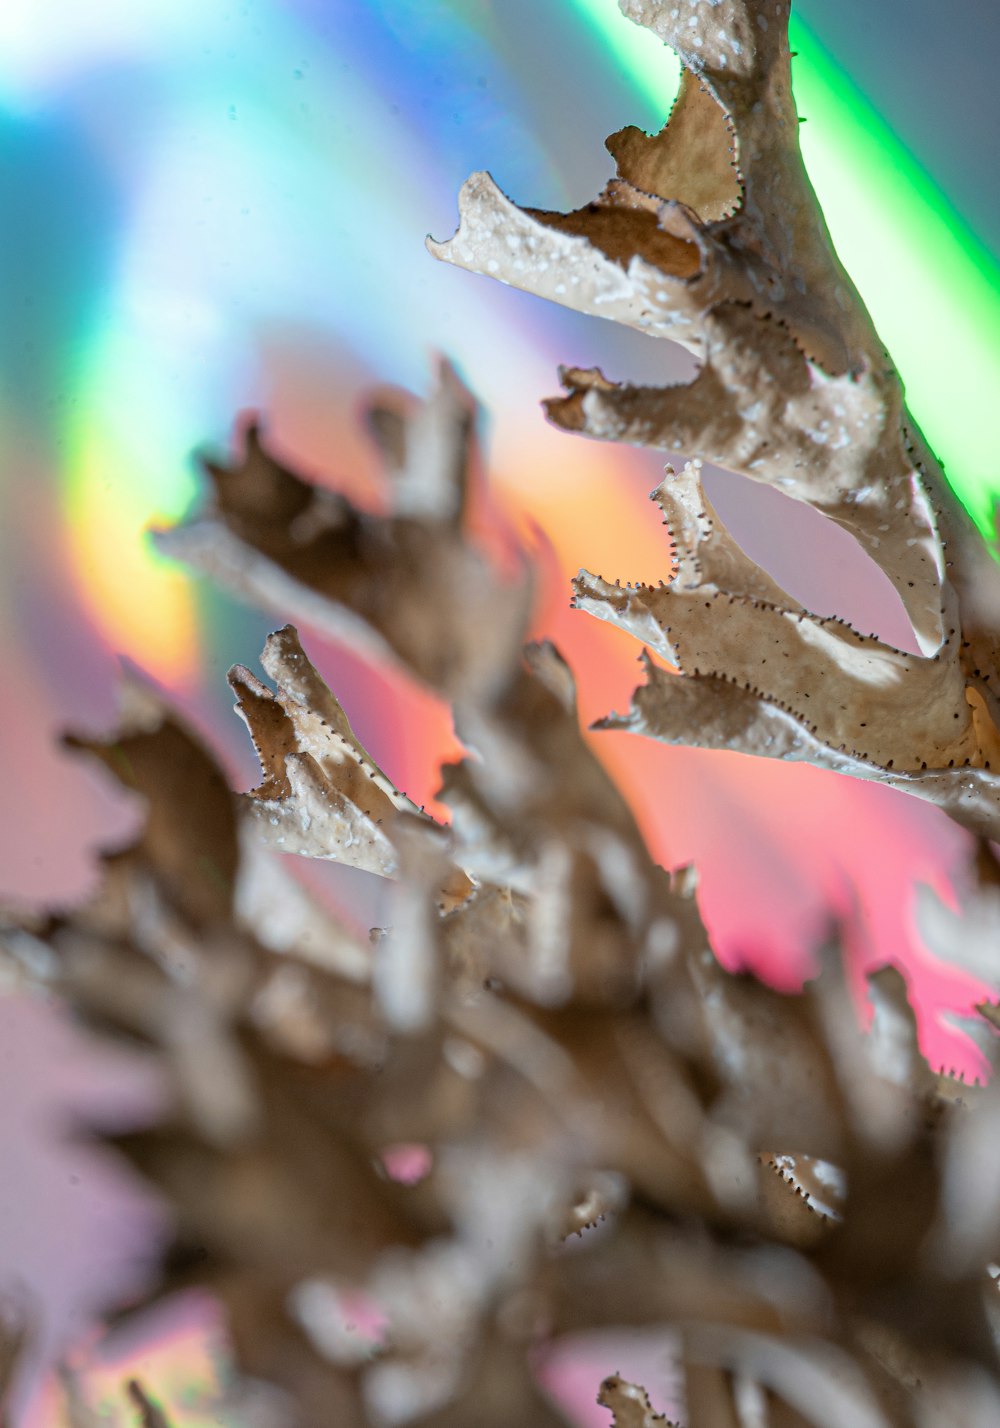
<point x="933" y="67"/>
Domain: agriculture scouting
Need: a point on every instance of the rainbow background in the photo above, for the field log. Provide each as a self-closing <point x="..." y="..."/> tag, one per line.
<point x="211" y="206"/>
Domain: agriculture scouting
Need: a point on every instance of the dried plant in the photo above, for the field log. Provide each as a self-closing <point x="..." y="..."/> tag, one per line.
<point x="615" y="1130"/>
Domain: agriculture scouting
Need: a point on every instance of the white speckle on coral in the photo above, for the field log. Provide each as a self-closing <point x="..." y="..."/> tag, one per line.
<point x="464" y="1058"/>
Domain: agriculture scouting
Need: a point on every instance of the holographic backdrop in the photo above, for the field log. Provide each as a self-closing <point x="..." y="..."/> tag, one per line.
<point x="215" y="206"/>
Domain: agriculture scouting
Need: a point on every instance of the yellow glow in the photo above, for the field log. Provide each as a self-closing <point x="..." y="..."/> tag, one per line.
<point x="143" y="608"/>
<point x="123" y="477"/>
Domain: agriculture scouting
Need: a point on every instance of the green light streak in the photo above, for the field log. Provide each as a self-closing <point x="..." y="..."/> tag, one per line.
<point x="653" y="69"/>
<point x="932" y="288"/>
<point x="119" y="442"/>
<point x="930" y="285"/>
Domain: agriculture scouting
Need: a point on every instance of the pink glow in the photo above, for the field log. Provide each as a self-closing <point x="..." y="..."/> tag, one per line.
<point x="408" y="1162"/>
<point x="570" y="1371"/>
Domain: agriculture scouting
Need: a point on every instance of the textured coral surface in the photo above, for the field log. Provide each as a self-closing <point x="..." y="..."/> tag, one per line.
<point x="533" y="1103"/>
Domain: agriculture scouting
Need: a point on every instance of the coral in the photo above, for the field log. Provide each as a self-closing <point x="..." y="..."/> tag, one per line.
<point x="613" y="1129"/>
<point x="719" y="244"/>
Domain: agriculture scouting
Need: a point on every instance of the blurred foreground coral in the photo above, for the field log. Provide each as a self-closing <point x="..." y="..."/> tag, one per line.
<point x="534" y="1104"/>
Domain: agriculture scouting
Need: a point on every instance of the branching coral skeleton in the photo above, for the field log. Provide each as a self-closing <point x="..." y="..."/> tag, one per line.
<point x="808" y="1207"/>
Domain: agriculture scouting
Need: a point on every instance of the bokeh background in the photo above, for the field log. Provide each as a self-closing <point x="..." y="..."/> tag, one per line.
<point x="209" y="207"/>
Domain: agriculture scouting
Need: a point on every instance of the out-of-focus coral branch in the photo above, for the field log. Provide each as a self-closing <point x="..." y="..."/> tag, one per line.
<point x="406" y="585"/>
<point x="545" y="1020"/>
